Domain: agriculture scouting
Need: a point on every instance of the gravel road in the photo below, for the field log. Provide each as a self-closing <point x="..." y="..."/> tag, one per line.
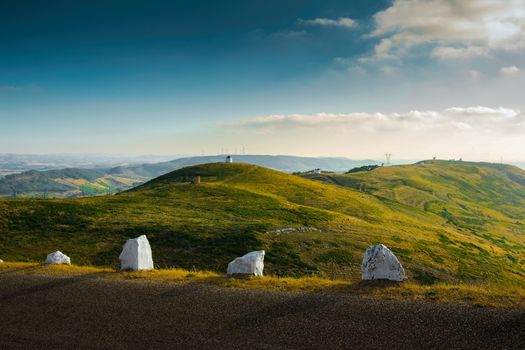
<point x="89" y="312"/>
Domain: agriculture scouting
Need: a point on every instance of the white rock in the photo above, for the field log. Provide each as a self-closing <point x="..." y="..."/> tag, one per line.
<point x="57" y="258"/>
<point x="249" y="264"/>
<point x="1" y="261"/>
<point x="379" y="263"/>
<point x="136" y="255"/>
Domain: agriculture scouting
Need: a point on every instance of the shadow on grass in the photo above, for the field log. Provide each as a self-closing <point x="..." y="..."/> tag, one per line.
<point x="55" y="283"/>
<point x="10" y="270"/>
<point x="280" y="308"/>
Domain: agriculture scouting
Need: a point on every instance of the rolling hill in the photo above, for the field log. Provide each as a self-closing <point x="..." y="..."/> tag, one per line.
<point x="75" y="182"/>
<point x="475" y="197"/>
<point x="283" y="163"/>
<point x="240" y="207"/>
<point x="60" y="183"/>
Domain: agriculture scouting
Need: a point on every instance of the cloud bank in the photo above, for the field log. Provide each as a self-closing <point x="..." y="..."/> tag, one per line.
<point x="473" y="133"/>
<point x="343" y="22"/>
<point x="456" y="28"/>
<point x="455" y="118"/>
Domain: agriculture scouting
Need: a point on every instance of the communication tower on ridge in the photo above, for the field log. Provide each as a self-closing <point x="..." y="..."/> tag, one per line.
<point x="387" y="156"/>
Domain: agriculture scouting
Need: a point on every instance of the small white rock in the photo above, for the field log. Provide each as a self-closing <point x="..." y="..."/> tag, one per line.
<point x="136" y="255"/>
<point x="379" y="263"/>
<point x="249" y="264"/>
<point x="57" y="258"/>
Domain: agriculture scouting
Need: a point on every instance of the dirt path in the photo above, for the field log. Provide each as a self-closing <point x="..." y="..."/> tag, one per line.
<point x="88" y="312"/>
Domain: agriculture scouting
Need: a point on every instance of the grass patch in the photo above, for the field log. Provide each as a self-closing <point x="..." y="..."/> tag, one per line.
<point x="336" y="256"/>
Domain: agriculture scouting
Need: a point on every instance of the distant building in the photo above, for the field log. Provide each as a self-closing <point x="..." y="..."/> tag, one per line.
<point x="229" y="159"/>
<point x="317" y="171"/>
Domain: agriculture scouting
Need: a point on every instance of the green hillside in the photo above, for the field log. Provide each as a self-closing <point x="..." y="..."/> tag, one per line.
<point x="64" y="183"/>
<point x="239" y="207"/>
<point x="476" y="197"/>
<point x="74" y="182"/>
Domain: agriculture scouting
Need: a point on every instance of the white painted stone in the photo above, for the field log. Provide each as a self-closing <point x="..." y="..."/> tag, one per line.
<point x="136" y="255"/>
<point x="57" y="258"/>
<point x="249" y="264"/>
<point x="379" y="263"/>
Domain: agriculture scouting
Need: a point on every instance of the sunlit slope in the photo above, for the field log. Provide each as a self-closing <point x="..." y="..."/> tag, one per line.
<point x="485" y="200"/>
<point x="236" y="208"/>
<point x="470" y="195"/>
<point x="64" y="183"/>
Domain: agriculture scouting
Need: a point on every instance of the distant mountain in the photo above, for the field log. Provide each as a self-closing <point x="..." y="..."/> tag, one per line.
<point x="282" y="163"/>
<point x="75" y="182"/>
<point x="69" y="182"/>
<point x="18" y="163"/>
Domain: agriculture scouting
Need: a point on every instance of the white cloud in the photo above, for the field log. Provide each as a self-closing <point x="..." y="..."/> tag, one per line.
<point x="455" y="28"/>
<point x="455" y="118"/>
<point x="477" y="133"/>
<point x="344" y="22"/>
<point x="511" y="70"/>
<point x="474" y="74"/>
<point x="447" y="52"/>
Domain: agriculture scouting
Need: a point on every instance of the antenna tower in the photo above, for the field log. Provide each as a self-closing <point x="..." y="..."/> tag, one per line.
<point x="387" y="156"/>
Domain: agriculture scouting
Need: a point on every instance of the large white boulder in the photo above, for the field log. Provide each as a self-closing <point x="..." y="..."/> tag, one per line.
<point x="136" y="255"/>
<point x="57" y="258"/>
<point x="379" y="263"/>
<point x="249" y="264"/>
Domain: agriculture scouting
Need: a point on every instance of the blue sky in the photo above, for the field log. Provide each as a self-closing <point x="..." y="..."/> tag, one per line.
<point x="351" y="78"/>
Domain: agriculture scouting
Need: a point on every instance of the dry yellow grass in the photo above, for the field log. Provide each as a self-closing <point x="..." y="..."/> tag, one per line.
<point x="481" y="295"/>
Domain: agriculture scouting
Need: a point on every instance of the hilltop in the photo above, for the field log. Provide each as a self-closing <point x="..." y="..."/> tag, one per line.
<point x="240" y="207"/>
<point x="283" y="163"/>
<point x="76" y="182"/>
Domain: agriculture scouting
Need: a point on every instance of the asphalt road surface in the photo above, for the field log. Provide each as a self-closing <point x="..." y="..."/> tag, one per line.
<point x="89" y="312"/>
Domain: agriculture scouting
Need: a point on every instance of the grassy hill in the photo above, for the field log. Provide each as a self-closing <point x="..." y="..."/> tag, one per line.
<point x="60" y="183"/>
<point x="239" y="207"/>
<point x="73" y="182"/>
<point x="475" y="197"/>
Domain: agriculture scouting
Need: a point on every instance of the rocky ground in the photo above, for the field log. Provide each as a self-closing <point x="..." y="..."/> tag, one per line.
<point x="90" y="312"/>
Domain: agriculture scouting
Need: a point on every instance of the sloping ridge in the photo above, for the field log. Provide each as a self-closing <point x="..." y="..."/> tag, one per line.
<point x="238" y="208"/>
<point x="466" y="188"/>
<point x="289" y="190"/>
